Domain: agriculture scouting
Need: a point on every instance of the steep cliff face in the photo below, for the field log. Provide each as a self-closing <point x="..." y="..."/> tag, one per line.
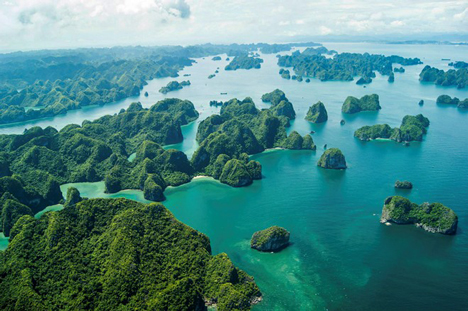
<point x="332" y="158"/>
<point x="317" y="113"/>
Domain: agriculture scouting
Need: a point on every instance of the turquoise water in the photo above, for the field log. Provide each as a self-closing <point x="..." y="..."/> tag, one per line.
<point x="52" y="208"/>
<point x="341" y="257"/>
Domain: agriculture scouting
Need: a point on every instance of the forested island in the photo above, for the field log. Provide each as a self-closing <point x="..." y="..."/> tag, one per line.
<point x="226" y="140"/>
<point x="120" y="254"/>
<point x="36" y="162"/>
<point x="47" y="83"/>
<point x="452" y="77"/>
<point x="447" y="100"/>
<point x="332" y="158"/>
<point x="70" y="87"/>
<point x="366" y="103"/>
<point x="117" y="254"/>
<point x="98" y="150"/>
<point x="458" y="64"/>
<point x="343" y="66"/>
<point x="285" y="74"/>
<point x="174" y="86"/>
<point x="281" y="106"/>
<point x="317" y="113"/>
<point x="403" y="184"/>
<point x="276" y="48"/>
<point x="244" y="62"/>
<point x="272" y="239"/>
<point x="432" y="217"/>
<point x="412" y="129"/>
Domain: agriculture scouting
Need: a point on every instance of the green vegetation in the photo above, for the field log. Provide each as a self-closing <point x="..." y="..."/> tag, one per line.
<point x="400" y="70"/>
<point x="366" y="103"/>
<point x="463" y="104"/>
<point x="342" y="67"/>
<point x="211" y="76"/>
<point x="271" y="239"/>
<point x="374" y="132"/>
<point x="241" y="129"/>
<point x="280" y="106"/>
<point x="450" y="77"/>
<point x="48" y="83"/>
<point x="70" y="87"/>
<point x="332" y="158"/>
<point x="274" y="97"/>
<point x="285" y="74"/>
<point x="276" y="48"/>
<point x="317" y="51"/>
<point x="95" y="151"/>
<point x="12" y="210"/>
<point x="459" y="64"/>
<point x="391" y="77"/>
<point x="236" y="173"/>
<point x="412" y="129"/>
<point x="73" y="197"/>
<point x="403" y="185"/>
<point x="296" y="142"/>
<point x="244" y="62"/>
<point x="364" y="80"/>
<point x="19" y="196"/>
<point x="173" y="86"/>
<point x="317" y="113"/>
<point x="216" y="58"/>
<point x="447" y="100"/>
<point x="434" y="217"/>
<point x="117" y="254"/>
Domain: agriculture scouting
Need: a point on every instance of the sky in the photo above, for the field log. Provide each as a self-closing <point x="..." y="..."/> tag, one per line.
<point x="50" y="24"/>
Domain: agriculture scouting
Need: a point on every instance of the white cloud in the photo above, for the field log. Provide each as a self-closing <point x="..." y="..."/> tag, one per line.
<point x="397" y="23"/>
<point x="325" y="30"/>
<point x="462" y="15"/>
<point x="28" y="24"/>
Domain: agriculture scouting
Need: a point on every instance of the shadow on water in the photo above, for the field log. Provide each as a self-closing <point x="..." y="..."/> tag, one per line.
<point x="368" y="116"/>
<point x="318" y="128"/>
<point x="335" y="177"/>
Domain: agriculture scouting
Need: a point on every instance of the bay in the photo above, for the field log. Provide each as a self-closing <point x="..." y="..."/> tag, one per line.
<point x="341" y="257"/>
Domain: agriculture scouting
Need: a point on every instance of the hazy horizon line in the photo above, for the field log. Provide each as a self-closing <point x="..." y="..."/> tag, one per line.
<point x="321" y="40"/>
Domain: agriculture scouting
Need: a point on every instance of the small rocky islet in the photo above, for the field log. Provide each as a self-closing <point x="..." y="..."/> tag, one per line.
<point x="432" y="217"/>
<point x="272" y="239"/>
<point x="332" y="158"/>
<point x="403" y="185"/>
<point x="173" y="86"/>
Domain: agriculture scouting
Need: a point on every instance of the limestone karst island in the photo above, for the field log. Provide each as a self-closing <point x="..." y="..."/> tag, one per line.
<point x="182" y="155"/>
